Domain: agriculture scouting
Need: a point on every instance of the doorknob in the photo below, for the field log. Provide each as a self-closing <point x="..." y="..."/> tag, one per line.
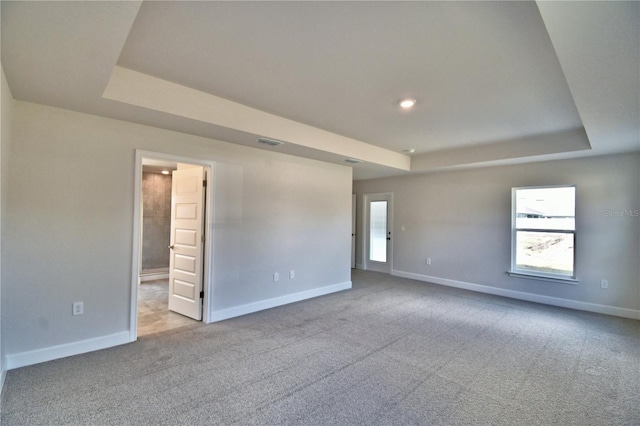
<point x="171" y="246"/>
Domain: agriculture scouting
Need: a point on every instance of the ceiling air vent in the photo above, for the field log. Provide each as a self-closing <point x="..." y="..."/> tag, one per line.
<point x="353" y="161"/>
<point x="270" y="142"/>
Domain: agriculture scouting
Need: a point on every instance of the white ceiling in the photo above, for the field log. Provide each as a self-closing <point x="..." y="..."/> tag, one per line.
<point x="496" y="82"/>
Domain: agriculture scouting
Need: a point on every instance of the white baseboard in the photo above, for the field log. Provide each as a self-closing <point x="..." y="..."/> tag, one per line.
<point x="156" y="276"/>
<point x="61" y="351"/>
<point x="530" y="297"/>
<point x="250" y="308"/>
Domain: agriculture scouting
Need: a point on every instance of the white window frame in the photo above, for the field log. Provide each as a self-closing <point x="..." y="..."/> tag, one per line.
<point x="539" y="275"/>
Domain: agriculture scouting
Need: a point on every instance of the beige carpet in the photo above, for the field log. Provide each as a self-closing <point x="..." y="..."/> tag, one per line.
<point x="391" y="351"/>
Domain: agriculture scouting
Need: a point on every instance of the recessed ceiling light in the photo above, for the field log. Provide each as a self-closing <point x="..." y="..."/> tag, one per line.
<point x="407" y="103"/>
<point x="409" y="150"/>
<point x="352" y="161"/>
<point x="165" y="172"/>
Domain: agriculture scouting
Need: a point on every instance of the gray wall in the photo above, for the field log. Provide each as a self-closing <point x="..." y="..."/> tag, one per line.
<point x="461" y="220"/>
<point x="156" y="220"/>
<point x="70" y="220"/>
<point x="292" y="214"/>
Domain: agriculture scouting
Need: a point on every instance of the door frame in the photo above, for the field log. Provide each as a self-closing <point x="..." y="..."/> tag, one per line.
<point x="136" y="255"/>
<point x="353" y="230"/>
<point x="365" y="229"/>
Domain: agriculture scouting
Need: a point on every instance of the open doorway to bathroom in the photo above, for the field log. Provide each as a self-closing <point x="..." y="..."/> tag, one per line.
<point x="154" y="314"/>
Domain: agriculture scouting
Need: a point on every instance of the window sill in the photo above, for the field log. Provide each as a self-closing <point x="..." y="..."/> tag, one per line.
<point x="567" y="280"/>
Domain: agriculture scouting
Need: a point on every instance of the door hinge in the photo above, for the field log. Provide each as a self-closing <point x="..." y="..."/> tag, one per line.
<point x="204" y="183"/>
<point x="202" y="238"/>
<point x="202" y="295"/>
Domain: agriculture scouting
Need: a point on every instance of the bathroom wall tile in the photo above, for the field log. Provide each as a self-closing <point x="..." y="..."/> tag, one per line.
<point x="156" y="190"/>
<point x="158" y="184"/>
<point x="167" y="205"/>
<point x="158" y="202"/>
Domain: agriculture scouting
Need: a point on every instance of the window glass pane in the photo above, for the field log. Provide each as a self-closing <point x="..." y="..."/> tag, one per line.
<point x="378" y="231"/>
<point x="546" y="208"/>
<point x="548" y="252"/>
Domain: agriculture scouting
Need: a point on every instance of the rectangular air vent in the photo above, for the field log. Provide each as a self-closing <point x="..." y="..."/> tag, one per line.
<point x="270" y="142"/>
<point x="353" y="161"/>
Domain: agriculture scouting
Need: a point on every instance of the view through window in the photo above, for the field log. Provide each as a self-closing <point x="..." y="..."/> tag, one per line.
<point x="544" y="228"/>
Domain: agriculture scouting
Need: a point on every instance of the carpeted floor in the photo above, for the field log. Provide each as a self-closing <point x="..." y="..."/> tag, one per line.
<point x="391" y="351"/>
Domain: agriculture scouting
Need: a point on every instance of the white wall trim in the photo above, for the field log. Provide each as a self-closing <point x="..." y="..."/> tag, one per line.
<point x="62" y="351"/>
<point x="530" y="297"/>
<point x="249" y="308"/>
<point x="3" y="375"/>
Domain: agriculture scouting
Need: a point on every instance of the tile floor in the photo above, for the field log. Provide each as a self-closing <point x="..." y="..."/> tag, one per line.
<point x="154" y="315"/>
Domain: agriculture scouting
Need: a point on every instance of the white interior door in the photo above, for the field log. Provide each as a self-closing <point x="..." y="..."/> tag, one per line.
<point x="378" y="243"/>
<point x="187" y="222"/>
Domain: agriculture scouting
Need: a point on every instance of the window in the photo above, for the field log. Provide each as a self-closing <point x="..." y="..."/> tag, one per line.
<point x="544" y="232"/>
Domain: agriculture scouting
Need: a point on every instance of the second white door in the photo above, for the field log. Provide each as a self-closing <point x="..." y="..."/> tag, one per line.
<point x="378" y="238"/>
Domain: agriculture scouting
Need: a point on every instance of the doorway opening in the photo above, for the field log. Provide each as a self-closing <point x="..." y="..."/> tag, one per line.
<point x="170" y="278"/>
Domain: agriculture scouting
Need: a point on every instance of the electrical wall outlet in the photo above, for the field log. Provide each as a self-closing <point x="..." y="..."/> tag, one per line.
<point x="292" y="274"/>
<point x="428" y="261"/>
<point x="604" y="284"/>
<point x="276" y="276"/>
<point x="78" y="308"/>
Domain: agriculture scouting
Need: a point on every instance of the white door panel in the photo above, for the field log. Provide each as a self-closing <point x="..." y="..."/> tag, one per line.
<point x="187" y="220"/>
